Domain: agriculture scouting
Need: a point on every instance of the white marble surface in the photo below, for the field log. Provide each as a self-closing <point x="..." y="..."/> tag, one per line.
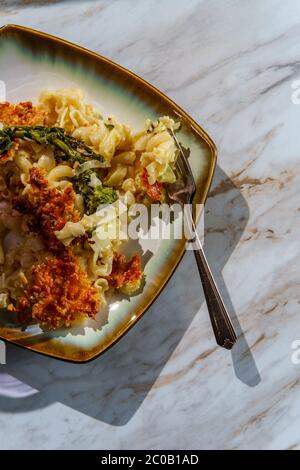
<point x="230" y="64"/>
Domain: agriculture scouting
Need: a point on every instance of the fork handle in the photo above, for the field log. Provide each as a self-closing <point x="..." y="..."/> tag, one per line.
<point x="221" y="323"/>
<point x="219" y="317"/>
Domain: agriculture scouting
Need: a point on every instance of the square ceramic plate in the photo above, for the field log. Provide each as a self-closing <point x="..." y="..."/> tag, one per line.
<point x="31" y="61"/>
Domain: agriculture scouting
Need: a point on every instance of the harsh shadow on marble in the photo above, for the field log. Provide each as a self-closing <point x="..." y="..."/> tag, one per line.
<point x="226" y="217"/>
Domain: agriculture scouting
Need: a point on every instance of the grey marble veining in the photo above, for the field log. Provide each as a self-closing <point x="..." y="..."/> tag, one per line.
<point x="230" y="64"/>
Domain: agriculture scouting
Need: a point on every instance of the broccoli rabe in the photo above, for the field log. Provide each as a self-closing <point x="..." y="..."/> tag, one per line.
<point x="5" y="143"/>
<point x="93" y="196"/>
<point x="65" y="147"/>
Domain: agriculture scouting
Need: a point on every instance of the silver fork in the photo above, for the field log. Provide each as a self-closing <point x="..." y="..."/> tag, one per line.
<point x="183" y="192"/>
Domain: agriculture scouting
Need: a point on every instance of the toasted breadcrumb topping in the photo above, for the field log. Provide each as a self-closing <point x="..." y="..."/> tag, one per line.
<point x="125" y="272"/>
<point x="59" y="293"/>
<point x="9" y="155"/>
<point x="21" y="114"/>
<point x="50" y="209"/>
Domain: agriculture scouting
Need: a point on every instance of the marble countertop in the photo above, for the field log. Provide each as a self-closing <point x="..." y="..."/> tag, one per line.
<point x="231" y="64"/>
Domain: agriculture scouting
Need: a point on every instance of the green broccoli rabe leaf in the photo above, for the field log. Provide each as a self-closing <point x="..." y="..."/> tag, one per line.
<point x="93" y="197"/>
<point x="99" y="195"/>
<point x="5" y="143"/>
<point x="109" y="126"/>
<point x="65" y="147"/>
<point x="81" y="181"/>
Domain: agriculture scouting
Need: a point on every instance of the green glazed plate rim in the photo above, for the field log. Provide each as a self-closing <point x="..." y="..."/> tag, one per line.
<point x="195" y="128"/>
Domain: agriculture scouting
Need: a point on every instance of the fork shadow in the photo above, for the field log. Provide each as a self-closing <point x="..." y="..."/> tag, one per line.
<point x="113" y="387"/>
